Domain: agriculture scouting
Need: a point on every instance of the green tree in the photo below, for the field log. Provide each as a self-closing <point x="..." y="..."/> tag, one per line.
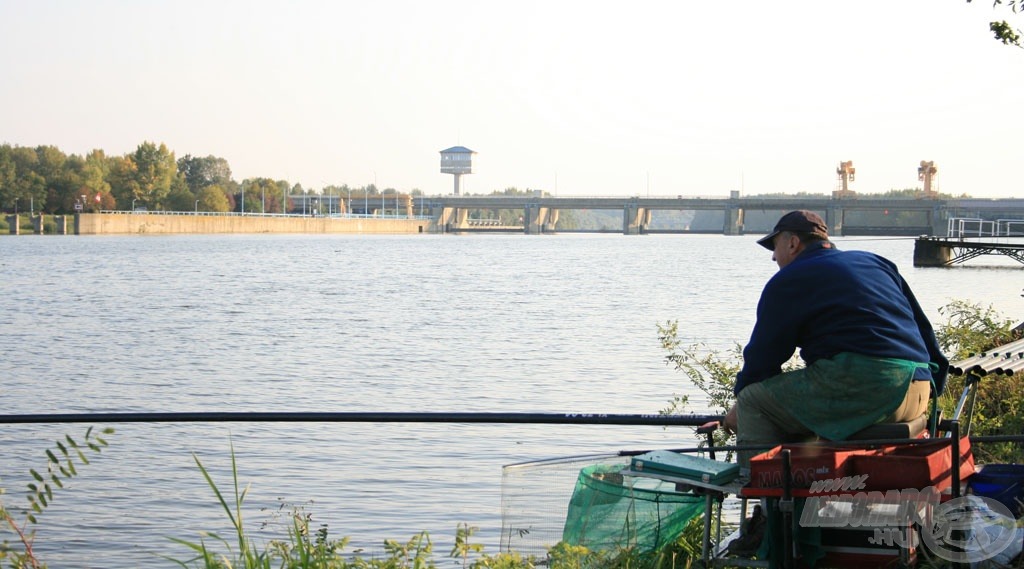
<point x="121" y="172"/>
<point x="259" y="189"/>
<point x="202" y="172"/>
<point x="283" y="188"/>
<point x="58" y="179"/>
<point x="7" y="176"/>
<point x="27" y="187"/>
<point x="64" y="189"/>
<point x="180" y="197"/>
<point x="145" y="176"/>
<point x="94" y="175"/>
<point x="213" y="198"/>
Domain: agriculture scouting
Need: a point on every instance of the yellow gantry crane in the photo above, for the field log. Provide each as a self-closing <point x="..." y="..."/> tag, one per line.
<point x="847" y="173"/>
<point x="925" y="173"/>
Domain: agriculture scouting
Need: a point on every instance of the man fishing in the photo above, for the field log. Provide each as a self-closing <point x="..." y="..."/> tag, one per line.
<point x="870" y="353"/>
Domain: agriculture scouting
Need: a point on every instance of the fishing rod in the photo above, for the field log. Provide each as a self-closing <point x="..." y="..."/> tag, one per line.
<point x="365" y="417"/>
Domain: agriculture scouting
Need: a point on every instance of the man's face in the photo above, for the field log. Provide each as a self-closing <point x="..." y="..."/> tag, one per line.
<point x="787" y="247"/>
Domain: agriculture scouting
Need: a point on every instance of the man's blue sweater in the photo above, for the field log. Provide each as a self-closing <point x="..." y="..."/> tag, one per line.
<point x="826" y="302"/>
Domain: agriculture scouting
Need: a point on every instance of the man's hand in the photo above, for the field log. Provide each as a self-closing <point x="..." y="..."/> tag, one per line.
<point x="731" y="420"/>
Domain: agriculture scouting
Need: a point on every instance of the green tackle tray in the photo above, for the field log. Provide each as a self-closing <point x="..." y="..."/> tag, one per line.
<point x="685" y="466"/>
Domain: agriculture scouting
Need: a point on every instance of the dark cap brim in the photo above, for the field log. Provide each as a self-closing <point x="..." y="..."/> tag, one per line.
<point x="768" y="241"/>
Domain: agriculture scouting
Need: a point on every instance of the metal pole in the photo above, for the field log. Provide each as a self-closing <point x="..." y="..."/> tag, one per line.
<point x="364" y="417"/>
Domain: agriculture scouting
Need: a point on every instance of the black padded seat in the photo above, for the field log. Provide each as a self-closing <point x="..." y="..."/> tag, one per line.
<point x="909" y="430"/>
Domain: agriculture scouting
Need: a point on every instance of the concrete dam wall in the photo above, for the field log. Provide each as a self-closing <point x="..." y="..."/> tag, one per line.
<point x="122" y="223"/>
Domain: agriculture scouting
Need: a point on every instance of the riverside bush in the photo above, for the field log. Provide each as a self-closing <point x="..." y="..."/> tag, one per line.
<point x="970" y="329"/>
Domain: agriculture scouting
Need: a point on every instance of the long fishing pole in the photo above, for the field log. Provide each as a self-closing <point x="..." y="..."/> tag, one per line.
<point x="364" y="417"/>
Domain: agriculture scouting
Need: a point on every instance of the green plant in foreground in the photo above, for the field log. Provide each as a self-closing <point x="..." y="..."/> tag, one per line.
<point x="60" y="467"/>
<point x="463" y="547"/>
<point x="301" y="551"/>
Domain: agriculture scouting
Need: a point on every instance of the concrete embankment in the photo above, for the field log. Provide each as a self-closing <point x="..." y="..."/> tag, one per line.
<point x="160" y="223"/>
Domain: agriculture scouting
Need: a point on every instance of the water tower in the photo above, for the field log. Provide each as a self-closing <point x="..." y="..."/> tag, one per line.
<point x="457" y="160"/>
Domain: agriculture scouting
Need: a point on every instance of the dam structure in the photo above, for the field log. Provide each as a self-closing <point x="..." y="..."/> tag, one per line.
<point x="536" y="215"/>
<point x="844" y="216"/>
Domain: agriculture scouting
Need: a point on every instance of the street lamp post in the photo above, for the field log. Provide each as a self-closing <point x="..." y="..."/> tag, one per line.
<point x="348" y="210"/>
<point x="263" y="208"/>
<point x="133" y="203"/>
<point x="197" y="206"/>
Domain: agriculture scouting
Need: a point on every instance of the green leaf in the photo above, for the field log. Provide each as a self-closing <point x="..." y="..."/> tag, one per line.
<point x="51" y="456"/>
<point x="56" y="480"/>
<point x="71" y="467"/>
<point x="35" y="475"/>
<point x="94" y="447"/>
<point x="63" y="449"/>
<point x="43" y="501"/>
<point x="30" y="518"/>
<point x="71" y="441"/>
<point x="49" y="492"/>
<point x="33" y="487"/>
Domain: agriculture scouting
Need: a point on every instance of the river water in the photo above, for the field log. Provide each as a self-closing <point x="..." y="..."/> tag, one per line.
<point x="436" y="323"/>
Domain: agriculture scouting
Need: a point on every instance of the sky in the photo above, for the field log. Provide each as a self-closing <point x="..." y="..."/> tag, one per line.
<point x="595" y="98"/>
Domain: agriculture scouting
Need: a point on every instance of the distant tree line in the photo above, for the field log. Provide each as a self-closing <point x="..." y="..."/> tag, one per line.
<point x="44" y="179"/>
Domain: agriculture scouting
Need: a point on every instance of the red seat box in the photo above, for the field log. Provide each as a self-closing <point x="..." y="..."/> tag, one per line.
<point x="918" y="466"/>
<point x="808" y="463"/>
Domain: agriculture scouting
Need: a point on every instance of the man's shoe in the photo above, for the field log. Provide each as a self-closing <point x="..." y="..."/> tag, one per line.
<point x="751" y="534"/>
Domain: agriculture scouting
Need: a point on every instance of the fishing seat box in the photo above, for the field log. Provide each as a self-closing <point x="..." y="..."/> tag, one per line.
<point x="894" y="467"/>
<point x="685" y="466"/>
<point x="808" y="463"/>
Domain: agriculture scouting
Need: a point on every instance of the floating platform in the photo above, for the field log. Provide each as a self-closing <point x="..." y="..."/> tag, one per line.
<point x="946" y="252"/>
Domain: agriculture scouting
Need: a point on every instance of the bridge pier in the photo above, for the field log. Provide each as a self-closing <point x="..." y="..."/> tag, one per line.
<point x="452" y="218"/>
<point x="633" y="217"/>
<point x="551" y="221"/>
<point x="533" y="218"/>
<point x="834" y="216"/>
<point x="733" y="221"/>
<point x="939" y="218"/>
<point x="931" y="253"/>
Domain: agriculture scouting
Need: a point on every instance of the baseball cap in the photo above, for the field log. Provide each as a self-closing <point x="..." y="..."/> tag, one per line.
<point x="799" y="221"/>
